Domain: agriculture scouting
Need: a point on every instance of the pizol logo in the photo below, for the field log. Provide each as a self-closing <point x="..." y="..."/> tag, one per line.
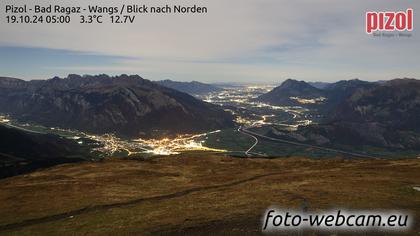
<point x="389" y="21"/>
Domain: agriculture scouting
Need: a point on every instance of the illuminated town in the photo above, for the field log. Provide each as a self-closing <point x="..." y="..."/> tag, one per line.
<point x="109" y="144"/>
<point x="240" y="101"/>
<point x="261" y="113"/>
<point x="309" y="101"/>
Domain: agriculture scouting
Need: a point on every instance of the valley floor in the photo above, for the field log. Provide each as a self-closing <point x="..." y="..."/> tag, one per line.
<point x="197" y="194"/>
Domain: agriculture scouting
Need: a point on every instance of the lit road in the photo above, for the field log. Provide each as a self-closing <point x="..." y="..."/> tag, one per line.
<point x="255" y="144"/>
<point x="20" y="128"/>
<point x="301" y="144"/>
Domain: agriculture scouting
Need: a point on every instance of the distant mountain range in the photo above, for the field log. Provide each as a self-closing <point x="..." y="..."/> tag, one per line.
<point x="125" y="105"/>
<point x="193" y="87"/>
<point x="300" y="93"/>
<point x="22" y="152"/>
<point x="357" y="112"/>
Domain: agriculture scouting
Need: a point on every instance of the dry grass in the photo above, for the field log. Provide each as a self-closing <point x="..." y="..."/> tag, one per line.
<point x="233" y="207"/>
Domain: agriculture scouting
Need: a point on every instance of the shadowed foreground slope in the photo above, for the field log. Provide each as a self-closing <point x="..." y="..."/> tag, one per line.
<point x="22" y="151"/>
<point x="196" y="193"/>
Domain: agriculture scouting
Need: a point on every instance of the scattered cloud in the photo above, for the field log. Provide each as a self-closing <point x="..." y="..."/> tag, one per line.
<point x="237" y="40"/>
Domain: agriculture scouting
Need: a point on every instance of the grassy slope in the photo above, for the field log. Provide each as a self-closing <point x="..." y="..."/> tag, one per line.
<point x="235" y="204"/>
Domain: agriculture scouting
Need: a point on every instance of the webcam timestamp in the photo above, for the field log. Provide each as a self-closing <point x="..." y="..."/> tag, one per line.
<point x="35" y="19"/>
<point x="66" y="19"/>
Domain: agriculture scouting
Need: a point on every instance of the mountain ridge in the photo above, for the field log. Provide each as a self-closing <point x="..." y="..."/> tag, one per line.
<point x="125" y="105"/>
<point x="367" y="113"/>
<point x="283" y="94"/>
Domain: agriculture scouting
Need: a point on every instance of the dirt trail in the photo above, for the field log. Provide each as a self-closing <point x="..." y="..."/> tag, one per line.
<point x="57" y="217"/>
